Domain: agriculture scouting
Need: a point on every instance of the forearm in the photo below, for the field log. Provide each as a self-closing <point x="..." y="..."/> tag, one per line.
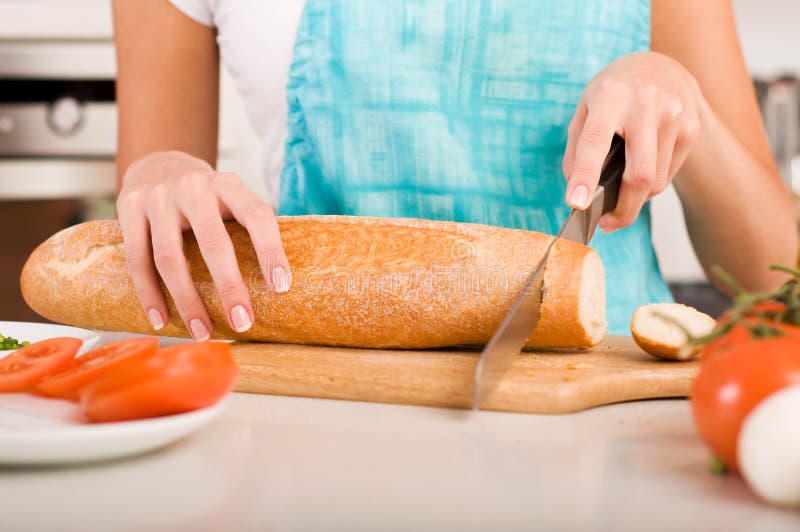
<point x="738" y="212"/>
<point x="167" y="83"/>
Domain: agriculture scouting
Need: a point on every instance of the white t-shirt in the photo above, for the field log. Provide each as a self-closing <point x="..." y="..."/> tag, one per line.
<point x="256" y="39"/>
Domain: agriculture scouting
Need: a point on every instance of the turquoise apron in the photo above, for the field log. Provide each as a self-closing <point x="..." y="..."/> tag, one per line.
<point x="457" y="110"/>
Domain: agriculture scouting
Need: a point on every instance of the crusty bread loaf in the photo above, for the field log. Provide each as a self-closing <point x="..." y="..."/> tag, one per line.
<point x="356" y="281"/>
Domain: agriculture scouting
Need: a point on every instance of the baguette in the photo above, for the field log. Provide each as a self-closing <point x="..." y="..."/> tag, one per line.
<point x="357" y="281"/>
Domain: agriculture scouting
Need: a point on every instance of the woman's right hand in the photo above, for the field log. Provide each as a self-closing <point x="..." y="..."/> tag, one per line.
<point x="165" y="193"/>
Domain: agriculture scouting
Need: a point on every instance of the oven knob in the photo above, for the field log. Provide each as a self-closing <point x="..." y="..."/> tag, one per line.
<point x="65" y="116"/>
<point x="6" y="125"/>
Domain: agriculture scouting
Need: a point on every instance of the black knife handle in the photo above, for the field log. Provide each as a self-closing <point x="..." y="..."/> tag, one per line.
<point x="611" y="174"/>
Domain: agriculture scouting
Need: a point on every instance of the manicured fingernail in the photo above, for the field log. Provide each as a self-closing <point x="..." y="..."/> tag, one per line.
<point x="580" y="197"/>
<point x="281" y="279"/>
<point x="199" y="330"/>
<point x="240" y="319"/>
<point x="155" y="319"/>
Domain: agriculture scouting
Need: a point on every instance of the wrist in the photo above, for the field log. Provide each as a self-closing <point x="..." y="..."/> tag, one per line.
<point x="165" y="162"/>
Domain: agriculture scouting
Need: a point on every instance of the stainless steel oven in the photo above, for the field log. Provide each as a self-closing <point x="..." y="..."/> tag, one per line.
<point x="57" y="127"/>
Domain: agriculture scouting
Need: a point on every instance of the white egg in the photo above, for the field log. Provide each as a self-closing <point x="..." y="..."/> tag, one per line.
<point x="769" y="448"/>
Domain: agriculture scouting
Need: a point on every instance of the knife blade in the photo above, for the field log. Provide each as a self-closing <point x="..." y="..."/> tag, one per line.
<point x="520" y="321"/>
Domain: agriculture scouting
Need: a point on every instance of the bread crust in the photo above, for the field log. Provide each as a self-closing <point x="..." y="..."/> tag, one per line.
<point x="356" y="281"/>
<point x="660" y="348"/>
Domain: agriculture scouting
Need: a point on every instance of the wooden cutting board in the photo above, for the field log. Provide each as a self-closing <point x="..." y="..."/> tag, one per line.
<point x="542" y="383"/>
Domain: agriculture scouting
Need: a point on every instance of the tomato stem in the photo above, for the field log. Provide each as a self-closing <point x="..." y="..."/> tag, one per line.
<point x="787" y="269"/>
<point x="758" y="322"/>
<point x="717" y="467"/>
<point x="727" y="279"/>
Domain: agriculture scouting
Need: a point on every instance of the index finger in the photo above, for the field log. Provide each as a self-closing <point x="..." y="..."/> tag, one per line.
<point x="591" y="149"/>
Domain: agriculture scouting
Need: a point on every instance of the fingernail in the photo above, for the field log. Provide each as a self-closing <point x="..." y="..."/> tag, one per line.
<point x="240" y="319"/>
<point x="155" y="319"/>
<point x="199" y="330"/>
<point x="281" y="279"/>
<point x="580" y="197"/>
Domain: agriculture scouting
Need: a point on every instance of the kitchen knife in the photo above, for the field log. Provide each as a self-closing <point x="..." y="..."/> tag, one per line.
<point x="521" y="319"/>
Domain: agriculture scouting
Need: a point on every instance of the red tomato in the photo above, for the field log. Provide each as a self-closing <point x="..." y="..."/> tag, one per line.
<point x="733" y="339"/>
<point x="175" y="379"/>
<point x="27" y="365"/>
<point x="94" y="364"/>
<point x="734" y="381"/>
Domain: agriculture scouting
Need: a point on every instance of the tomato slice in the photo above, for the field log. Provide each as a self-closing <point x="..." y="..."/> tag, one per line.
<point x="175" y="379"/>
<point x="94" y="364"/>
<point x="28" y="365"/>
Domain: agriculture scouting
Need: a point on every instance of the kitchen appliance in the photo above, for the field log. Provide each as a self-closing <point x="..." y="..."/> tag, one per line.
<point x="57" y="112"/>
<point x="57" y="138"/>
<point x="516" y="327"/>
<point x="57" y="118"/>
<point x="57" y="126"/>
<point x="540" y="383"/>
<point x="780" y="107"/>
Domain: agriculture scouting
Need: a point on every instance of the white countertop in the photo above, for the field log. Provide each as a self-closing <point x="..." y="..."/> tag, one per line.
<point x="285" y="464"/>
<point x="277" y="464"/>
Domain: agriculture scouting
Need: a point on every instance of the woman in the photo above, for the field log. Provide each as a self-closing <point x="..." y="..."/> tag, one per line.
<point x="445" y="110"/>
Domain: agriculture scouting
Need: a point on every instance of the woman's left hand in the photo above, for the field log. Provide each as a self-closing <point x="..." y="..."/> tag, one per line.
<point x="653" y="102"/>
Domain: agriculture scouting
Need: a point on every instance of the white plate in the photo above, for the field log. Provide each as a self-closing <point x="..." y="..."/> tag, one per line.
<point x="35" y="332"/>
<point x="35" y="430"/>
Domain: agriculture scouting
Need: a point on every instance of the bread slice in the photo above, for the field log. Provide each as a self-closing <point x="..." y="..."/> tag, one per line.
<point x="357" y="282"/>
<point x="653" y="329"/>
